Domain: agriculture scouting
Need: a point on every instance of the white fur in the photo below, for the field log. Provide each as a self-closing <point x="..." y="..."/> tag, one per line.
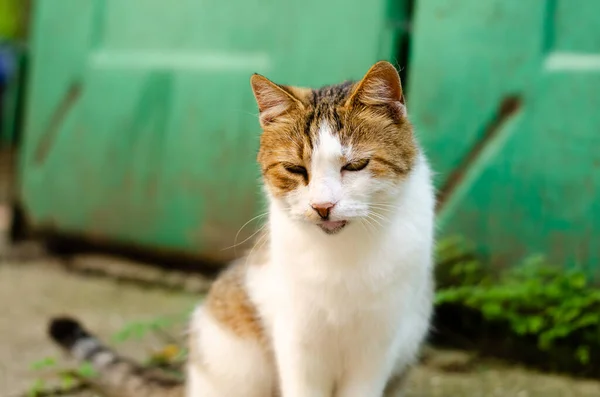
<point x="226" y="365"/>
<point x="345" y="312"/>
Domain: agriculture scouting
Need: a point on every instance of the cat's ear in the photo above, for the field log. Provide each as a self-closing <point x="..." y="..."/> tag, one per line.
<point x="274" y="102"/>
<point x="380" y="86"/>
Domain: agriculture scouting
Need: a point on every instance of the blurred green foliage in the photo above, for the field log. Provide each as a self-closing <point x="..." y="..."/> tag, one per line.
<point x="10" y="18"/>
<point x="554" y="305"/>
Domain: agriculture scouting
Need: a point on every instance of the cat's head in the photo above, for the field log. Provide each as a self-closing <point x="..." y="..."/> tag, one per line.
<point x="337" y="154"/>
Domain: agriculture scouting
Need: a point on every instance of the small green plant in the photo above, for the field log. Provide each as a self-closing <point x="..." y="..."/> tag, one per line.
<point x="556" y="307"/>
<point x="160" y="326"/>
<point x="45" y="363"/>
<point x="36" y="388"/>
<point x="85" y="371"/>
<point x="67" y="380"/>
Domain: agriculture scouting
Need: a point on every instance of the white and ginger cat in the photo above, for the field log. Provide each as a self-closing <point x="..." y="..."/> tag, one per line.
<point x="335" y="299"/>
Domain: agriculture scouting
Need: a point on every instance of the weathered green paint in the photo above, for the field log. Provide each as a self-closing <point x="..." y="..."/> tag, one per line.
<point x="141" y="127"/>
<point x="505" y="95"/>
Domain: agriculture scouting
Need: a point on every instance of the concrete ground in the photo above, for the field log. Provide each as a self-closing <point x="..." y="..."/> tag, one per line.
<point x="31" y="293"/>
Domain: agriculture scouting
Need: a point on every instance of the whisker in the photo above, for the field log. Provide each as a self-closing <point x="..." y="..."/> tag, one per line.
<point x="364" y="226"/>
<point x="384" y="205"/>
<point x="240" y="230"/>
<point x="247" y="238"/>
<point x="387" y="208"/>
<point x="383" y="212"/>
<point x="373" y="229"/>
<point x="379" y="216"/>
<point x="375" y="220"/>
<point x="262" y="239"/>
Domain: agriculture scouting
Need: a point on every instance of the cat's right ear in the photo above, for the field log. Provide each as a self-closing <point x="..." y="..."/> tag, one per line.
<point x="380" y="87"/>
<point x="274" y="102"/>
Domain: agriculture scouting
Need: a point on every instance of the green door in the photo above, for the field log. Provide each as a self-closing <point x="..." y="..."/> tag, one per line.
<point x="505" y="94"/>
<point x="141" y="127"/>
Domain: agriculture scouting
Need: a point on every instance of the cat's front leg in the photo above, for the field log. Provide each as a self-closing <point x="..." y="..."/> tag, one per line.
<point x="367" y="373"/>
<point x="302" y="370"/>
<point x="362" y="385"/>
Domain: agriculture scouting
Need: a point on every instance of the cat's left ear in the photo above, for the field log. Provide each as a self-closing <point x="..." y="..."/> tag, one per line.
<point x="380" y="87"/>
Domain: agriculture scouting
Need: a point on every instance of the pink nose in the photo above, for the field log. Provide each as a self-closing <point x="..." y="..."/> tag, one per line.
<point x="323" y="209"/>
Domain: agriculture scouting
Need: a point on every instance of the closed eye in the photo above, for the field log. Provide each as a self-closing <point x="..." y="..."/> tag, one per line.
<point x="356" y="165"/>
<point x="295" y="169"/>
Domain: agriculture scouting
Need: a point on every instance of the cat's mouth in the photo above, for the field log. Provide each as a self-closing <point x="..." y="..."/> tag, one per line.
<point x="332" y="227"/>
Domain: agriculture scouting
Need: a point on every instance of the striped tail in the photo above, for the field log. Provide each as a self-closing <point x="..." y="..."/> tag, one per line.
<point x="116" y="376"/>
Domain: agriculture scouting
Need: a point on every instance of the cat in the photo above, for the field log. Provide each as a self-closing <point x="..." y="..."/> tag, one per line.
<point x="336" y="296"/>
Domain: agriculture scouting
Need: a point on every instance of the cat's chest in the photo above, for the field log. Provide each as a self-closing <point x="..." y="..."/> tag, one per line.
<point x="341" y="302"/>
<point x="335" y="321"/>
<point x="333" y="292"/>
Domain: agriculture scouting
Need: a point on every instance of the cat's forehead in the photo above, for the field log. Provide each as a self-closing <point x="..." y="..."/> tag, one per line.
<point x="329" y="148"/>
<point x="324" y="110"/>
<point x="332" y="95"/>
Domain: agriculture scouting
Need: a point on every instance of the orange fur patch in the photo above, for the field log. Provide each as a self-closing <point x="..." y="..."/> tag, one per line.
<point x="230" y="305"/>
